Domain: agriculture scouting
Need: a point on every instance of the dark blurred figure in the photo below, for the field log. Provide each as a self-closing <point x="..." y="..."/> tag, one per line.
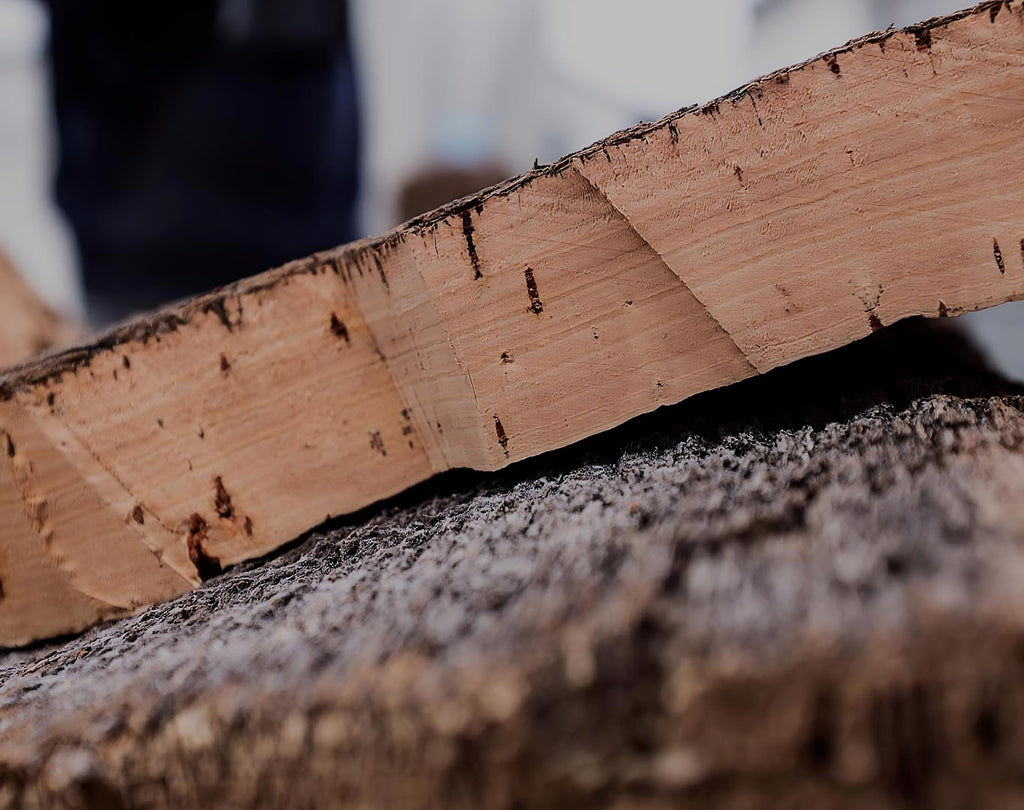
<point x="201" y="140"/>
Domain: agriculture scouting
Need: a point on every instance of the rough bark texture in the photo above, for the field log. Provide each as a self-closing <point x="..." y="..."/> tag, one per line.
<point x="805" y="588"/>
<point x="800" y="213"/>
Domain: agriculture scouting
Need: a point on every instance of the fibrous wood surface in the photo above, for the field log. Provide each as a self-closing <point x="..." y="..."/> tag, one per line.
<point x="804" y="591"/>
<point x="802" y="212"/>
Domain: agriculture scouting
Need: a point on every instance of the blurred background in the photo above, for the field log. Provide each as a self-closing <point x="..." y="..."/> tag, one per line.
<point x="141" y="163"/>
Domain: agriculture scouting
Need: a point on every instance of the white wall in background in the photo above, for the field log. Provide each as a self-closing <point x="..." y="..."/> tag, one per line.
<point x="515" y="80"/>
<point x="31" y="230"/>
<point x="466" y="80"/>
<point x="790" y="31"/>
<point x="647" y="54"/>
<point x="435" y="86"/>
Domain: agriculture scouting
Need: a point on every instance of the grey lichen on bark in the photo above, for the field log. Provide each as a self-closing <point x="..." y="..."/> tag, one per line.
<point x="803" y="588"/>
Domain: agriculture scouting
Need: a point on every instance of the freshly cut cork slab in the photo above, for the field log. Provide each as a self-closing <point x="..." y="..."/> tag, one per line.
<point x="798" y="214"/>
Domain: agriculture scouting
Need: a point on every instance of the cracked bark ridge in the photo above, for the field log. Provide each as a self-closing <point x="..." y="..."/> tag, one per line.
<point x="805" y="211"/>
<point x="803" y="590"/>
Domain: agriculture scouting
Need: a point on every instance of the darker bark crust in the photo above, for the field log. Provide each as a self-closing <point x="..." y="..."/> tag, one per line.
<point x="801" y="590"/>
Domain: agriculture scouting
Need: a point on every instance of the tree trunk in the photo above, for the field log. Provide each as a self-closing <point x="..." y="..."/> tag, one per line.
<point x="800" y="591"/>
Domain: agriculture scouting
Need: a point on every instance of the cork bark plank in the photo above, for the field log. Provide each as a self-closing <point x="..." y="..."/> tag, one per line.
<point x="796" y="215"/>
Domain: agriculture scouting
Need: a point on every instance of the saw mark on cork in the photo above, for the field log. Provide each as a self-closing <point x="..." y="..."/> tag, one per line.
<point x="598" y="194"/>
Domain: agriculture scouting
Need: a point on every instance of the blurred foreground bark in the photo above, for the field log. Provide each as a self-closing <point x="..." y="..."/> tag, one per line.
<point x="803" y="589"/>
